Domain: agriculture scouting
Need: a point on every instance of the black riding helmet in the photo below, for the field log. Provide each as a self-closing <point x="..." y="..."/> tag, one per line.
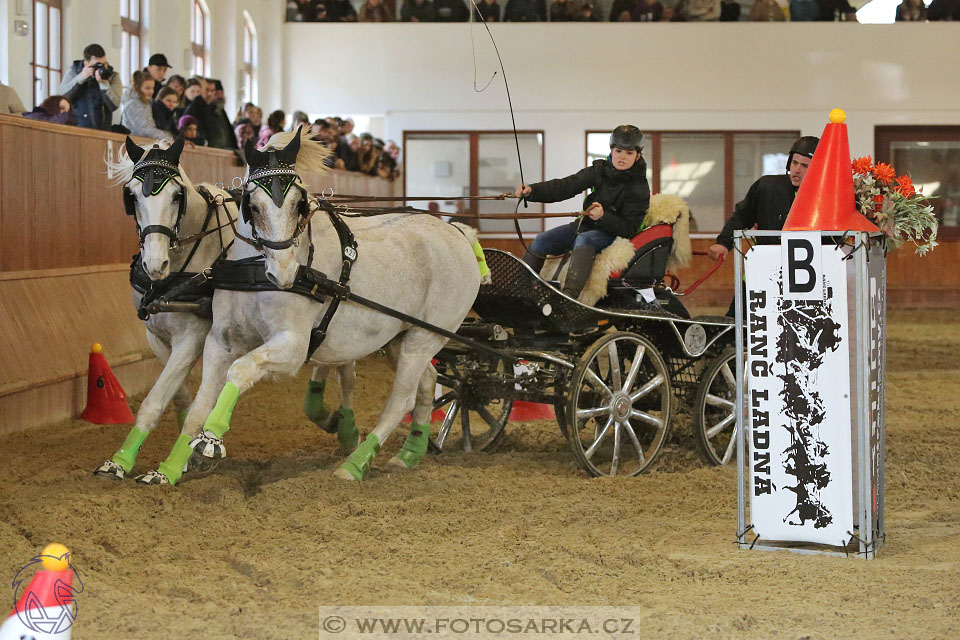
<point x="804" y="146"/>
<point x="627" y="136"/>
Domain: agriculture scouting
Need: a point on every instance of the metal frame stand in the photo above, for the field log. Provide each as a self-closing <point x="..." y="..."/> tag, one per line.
<point x="867" y="277"/>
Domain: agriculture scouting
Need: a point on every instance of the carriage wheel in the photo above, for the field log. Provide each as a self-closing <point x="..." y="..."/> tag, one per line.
<point x="714" y="418"/>
<point x="618" y="411"/>
<point x="472" y="420"/>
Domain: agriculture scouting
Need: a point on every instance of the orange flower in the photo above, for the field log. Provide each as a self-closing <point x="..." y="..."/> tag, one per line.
<point x="862" y="166"/>
<point x="905" y="186"/>
<point x="877" y="202"/>
<point x="884" y="173"/>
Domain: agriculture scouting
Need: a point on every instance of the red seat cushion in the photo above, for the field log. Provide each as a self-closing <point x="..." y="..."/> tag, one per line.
<point x="645" y="237"/>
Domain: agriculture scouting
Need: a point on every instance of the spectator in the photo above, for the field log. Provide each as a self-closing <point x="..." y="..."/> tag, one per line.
<point x="157" y="68"/>
<point x="137" y="114"/>
<point x="698" y="10"/>
<point x="318" y="130"/>
<point x="836" y="10"/>
<point x="10" y="102"/>
<point x="302" y="11"/>
<point x="164" y="110"/>
<point x="54" y="109"/>
<point x="648" y="11"/>
<point x="488" y="11"/>
<point x="766" y="11"/>
<point x="93" y="89"/>
<point x="213" y="124"/>
<point x="804" y="11"/>
<point x="450" y="10"/>
<point x="387" y="167"/>
<point x="911" y="11"/>
<point x="275" y="122"/>
<point x="375" y="11"/>
<point x="563" y="11"/>
<point x="178" y="84"/>
<point x="392" y="150"/>
<point x="243" y="129"/>
<point x="622" y="10"/>
<point x="417" y="11"/>
<point x="943" y="10"/>
<point x="339" y="11"/>
<point x="587" y="13"/>
<point x="730" y="10"/>
<point x="299" y="118"/>
<point x="194" y="88"/>
<point x="525" y="11"/>
<point x="367" y="155"/>
<point x="254" y="114"/>
<point x="190" y="130"/>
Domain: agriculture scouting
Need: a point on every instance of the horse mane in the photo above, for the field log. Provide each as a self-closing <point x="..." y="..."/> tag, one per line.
<point x="122" y="168"/>
<point x="312" y="153"/>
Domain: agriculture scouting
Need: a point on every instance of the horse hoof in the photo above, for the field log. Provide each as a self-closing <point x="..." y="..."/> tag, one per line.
<point x="110" y="470"/>
<point x="152" y="478"/>
<point x="343" y="474"/>
<point x="208" y="445"/>
<point x="199" y="464"/>
<point x="397" y="463"/>
<point x="326" y="421"/>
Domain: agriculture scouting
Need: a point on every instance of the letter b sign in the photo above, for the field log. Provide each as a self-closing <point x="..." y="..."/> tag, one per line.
<point x="802" y="273"/>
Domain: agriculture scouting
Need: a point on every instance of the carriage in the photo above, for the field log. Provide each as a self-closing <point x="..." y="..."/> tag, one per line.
<point x="614" y="373"/>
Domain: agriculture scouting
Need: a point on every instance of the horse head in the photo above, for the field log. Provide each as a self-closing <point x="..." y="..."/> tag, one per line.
<point x="157" y="199"/>
<point x="275" y="206"/>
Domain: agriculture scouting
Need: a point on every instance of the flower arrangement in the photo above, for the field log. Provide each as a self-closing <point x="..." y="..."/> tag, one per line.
<point x="894" y="205"/>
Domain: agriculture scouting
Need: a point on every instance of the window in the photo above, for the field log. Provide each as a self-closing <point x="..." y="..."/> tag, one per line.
<point x="712" y="170"/>
<point x="200" y="38"/>
<point x="46" y="48"/>
<point x="130" y="12"/>
<point x="473" y="163"/>
<point x="249" y="71"/>
<point x="931" y="156"/>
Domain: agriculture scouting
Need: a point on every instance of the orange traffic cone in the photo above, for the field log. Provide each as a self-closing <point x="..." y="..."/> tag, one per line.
<point x="47" y="607"/>
<point x="106" y="401"/>
<point x="826" y="201"/>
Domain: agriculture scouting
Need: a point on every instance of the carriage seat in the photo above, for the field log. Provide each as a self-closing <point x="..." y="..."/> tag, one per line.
<point x="649" y="263"/>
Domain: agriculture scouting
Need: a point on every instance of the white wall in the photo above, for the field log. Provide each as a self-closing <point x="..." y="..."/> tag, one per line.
<point x="168" y="32"/>
<point x="567" y="78"/>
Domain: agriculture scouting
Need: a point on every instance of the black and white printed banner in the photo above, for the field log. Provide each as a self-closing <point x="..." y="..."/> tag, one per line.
<point x="798" y="391"/>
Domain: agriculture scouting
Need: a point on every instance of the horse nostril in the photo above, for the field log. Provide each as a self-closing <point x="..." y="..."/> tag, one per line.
<point x="165" y="267"/>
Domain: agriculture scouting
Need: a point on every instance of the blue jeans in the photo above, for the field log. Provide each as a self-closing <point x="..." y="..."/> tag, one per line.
<point x="561" y="239"/>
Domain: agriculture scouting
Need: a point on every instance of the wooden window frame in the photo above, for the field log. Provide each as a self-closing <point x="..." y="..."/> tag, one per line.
<point x="885" y="135"/>
<point x="475" y="134"/>
<point x="198" y="43"/>
<point x="249" y="67"/>
<point x="653" y="140"/>
<point x="58" y="4"/>
<point x="133" y="28"/>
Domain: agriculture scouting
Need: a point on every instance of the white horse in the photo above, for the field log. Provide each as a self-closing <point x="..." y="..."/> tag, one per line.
<point x="415" y="264"/>
<point x="167" y="207"/>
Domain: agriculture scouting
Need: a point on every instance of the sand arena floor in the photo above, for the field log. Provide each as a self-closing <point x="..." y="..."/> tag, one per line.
<point x="252" y="549"/>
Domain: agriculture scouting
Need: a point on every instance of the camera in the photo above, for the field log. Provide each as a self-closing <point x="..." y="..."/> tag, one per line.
<point x="105" y="70"/>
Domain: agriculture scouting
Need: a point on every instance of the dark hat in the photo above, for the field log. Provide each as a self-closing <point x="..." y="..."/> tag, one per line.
<point x="158" y="59"/>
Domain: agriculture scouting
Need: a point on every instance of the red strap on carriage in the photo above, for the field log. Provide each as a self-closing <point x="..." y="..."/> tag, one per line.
<point x="648" y="235"/>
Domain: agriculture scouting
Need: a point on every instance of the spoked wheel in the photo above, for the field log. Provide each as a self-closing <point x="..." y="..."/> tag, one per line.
<point x="714" y="417"/>
<point x="618" y="412"/>
<point x="474" y="417"/>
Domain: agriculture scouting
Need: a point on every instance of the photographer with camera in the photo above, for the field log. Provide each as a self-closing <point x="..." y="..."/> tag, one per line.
<point x="93" y="88"/>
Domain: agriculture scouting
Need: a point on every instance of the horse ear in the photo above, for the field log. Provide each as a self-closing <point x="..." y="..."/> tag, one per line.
<point x="133" y="150"/>
<point x="289" y="153"/>
<point x="174" y="151"/>
<point x="250" y="153"/>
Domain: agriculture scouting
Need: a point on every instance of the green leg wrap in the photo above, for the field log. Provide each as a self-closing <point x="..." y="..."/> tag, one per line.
<point x="172" y="467"/>
<point x="127" y="454"/>
<point x="218" y="422"/>
<point x="415" y="446"/>
<point x="347" y="432"/>
<point x="181" y="418"/>
<point x="358" y="463"/>
<point x="313" y="402"/>
<point x="481" y="260"/>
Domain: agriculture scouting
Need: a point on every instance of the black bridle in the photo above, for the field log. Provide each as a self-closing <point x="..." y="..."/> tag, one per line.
<point x="154" y="170"/>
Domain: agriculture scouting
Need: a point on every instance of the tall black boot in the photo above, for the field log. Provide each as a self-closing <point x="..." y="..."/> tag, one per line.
<point x="533" y="261"/>
<point x="581" y="263"/>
